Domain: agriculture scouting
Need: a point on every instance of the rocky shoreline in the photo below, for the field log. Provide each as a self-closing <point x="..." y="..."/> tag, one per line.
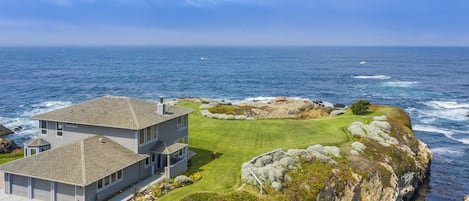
<point x="277" y="108"/>
<point x="6" y="145"/>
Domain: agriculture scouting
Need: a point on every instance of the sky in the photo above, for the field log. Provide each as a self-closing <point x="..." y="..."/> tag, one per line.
<point x="234" y="22"/>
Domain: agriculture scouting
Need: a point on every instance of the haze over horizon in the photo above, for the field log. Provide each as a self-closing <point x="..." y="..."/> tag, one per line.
<point x="234" y="22"/>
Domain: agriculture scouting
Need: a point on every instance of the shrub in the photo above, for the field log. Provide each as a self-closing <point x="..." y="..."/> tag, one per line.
<point x="196" y="177"/>
<point x="360" y="107"/>
<point x="157" y="192"/>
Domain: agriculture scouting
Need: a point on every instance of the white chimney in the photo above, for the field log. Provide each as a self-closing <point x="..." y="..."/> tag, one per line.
<point x="100" y="140"/>
<point x="161" y="108"/>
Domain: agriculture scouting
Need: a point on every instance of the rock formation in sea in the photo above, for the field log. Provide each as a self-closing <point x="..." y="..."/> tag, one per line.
<point x="4" y="130"/>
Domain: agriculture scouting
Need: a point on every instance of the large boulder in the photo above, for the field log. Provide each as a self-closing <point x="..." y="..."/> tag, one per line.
<point x="4" y="130"/>
<point x="7" y="146"/>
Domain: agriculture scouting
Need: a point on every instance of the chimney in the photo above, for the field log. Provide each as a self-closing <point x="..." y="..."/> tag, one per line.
<point x="161" y="108"/>
<point x="100" y="140"/>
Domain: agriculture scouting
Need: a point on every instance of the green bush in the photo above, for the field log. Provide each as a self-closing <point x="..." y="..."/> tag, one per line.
<point x="360" y="107"/>
<point x="196" y="176"/>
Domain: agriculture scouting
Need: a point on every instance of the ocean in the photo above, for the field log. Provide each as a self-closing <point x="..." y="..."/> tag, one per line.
<point x="430" y="83"/>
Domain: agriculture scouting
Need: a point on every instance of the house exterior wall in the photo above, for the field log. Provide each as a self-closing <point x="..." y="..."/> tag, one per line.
<point x="168" y="132"/>
<point x="72" y="134"/>
<point x="178" y="168"/>
<point x="130" y="175"/>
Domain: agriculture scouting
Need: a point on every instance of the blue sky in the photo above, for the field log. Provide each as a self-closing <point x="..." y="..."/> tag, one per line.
<point x="235" y="22"/>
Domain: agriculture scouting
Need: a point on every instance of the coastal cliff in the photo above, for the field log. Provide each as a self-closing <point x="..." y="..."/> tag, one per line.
<point x="383" y="161"/>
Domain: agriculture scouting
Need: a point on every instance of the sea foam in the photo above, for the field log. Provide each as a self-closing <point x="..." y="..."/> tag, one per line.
<point x="445" y="110"/>
<point x="377" y="77"/>
<point x="400" y="84"/>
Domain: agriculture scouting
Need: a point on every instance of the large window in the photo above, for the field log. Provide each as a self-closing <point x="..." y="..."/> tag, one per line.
<point x="109" y="180"/>
<point x="60" y="128"/>
<point x="141" y="137"/>
<point x="155" y="132"/>
<point x="182" y="122"/>
<point x="148" y="134"/>
<point x="43" y="125"/>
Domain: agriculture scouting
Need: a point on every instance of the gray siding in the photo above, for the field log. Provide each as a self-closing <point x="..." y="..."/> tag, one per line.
<point x="130" y="175"/>
<point x="64" y="192"/>
<point x="19" y="185"/>
<point x="178" y="168"/>
<point x="168" y="132"/>
<point x="70" y="134"/>
<point x="41" y="189"/>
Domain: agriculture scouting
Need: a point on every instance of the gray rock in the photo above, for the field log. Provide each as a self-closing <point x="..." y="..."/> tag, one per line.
<point x="7" y="146"/>
<point x="466" y="198"/>
<point x="354" y="152"/>
<point x="380" y="118"/>
<point x="277" y="186"/>
<point x="331" y="150"/>
<point x="183" y="179"/>
<point x="4" y="130"/>
<point x="382" y="125"/>
<point x="336" y="113"/>
<point x="358" y="146"/>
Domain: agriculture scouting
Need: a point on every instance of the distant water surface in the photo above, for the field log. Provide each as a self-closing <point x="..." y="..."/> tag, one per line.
<point x="432" y="84"/>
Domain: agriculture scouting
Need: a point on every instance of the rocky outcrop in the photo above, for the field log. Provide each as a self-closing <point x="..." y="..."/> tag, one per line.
<point x="384" y="161"/>
<point x="284" y="107"/>
<point x="466" y="198"/>
<point x="4" y="130"/>
<point x="7" y="146"/>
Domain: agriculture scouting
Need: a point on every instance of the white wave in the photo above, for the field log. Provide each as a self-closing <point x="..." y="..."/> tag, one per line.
<point x="431" y="129"/>
<point x="377" y="77"/>
<point x="400" y="83"/>
<point x="464" y="141"/>
<point x="446" y="104"/>
<point x="30" y="127"/>
<point x="443" y="151"/>
<point x="445" y="110"/>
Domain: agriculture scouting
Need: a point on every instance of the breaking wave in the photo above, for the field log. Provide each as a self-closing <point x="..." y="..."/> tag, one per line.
<point x="377" y="77"/>
<point x="400" y="83"/>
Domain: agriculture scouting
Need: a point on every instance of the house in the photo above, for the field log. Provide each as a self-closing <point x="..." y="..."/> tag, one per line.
<point x="93" y="150"/>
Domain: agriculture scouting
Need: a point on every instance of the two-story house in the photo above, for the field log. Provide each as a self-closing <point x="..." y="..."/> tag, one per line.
<point x="93" y="150"/>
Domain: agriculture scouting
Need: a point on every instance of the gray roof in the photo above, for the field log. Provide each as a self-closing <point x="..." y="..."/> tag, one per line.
<point x="80" y="163"/>
<point x="161" y="147"/>
<point x="36" y="142"/>
<point x="114" y="111"/>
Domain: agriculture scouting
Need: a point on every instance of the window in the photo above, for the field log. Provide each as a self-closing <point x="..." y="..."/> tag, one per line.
<point x="106" y="181"/>
<point x="147" y="162"/>
<point x="71" y="125"/>
<point x="43" y="125"/>
<point x="148" y="134"/>
<point x="155" y="132"/>
<point x="32" y="151"/>
<point x="113" y="177"/>
<point x="142" y="136"/>
<point x="100" y="184"/>
<point x="119" y="175"/>
<point x="60" y="128"/>
<point x="182" y="122"/>
<point x="109" y="180"/>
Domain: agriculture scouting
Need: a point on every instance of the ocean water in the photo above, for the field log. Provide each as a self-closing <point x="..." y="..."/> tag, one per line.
<point x="431" y="84"/>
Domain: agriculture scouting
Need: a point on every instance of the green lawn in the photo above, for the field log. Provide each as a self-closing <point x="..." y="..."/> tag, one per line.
<point x="4" y="158"/>
<point x="237" y="141"/>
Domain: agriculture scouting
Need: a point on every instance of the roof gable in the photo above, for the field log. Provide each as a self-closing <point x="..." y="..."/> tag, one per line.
<point x="114" y="111"/>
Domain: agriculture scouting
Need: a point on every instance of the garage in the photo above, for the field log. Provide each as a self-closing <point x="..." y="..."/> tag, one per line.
<point x="19" y="185"/>
<point x="64" y="192"/>
<point x="41" y="189"/>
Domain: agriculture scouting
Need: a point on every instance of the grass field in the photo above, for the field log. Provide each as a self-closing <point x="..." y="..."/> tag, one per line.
<point x="10" y="157"/>
<point x="237" y="141"/>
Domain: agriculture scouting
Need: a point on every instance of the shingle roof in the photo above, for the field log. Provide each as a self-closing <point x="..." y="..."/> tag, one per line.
<point x="36" y="142"/>
<point x="161" y="147"/>
<point x="114" y="111"/>
<point x="80" y="163"/>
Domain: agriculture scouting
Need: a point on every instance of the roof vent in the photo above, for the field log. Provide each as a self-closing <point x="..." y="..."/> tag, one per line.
<point x="160" y="108"/>
<point x="100" y="140"/>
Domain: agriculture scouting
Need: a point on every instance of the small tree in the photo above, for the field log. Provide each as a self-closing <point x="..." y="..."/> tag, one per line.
<point x="360" y="107"/>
